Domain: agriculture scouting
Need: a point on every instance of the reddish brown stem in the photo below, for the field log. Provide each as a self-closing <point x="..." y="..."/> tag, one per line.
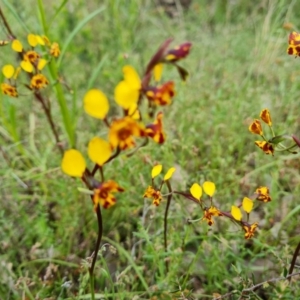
<point x="47" y="111"/>
<point x="100" y="232"/>
<point x="296" y="253"/>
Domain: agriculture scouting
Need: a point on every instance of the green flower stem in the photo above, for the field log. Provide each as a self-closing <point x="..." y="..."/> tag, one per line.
<point x="166" y="220"/>
<point x="91" y="269"/>
<point x="58" y="88"/>
<point x="271" y="128"/>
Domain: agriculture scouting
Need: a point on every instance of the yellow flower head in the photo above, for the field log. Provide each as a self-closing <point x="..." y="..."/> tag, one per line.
<point x="103" y="195"/>
<point x="236" y="213"/>
<point x="155" y="130"/>
<point x="127" y="92"/>
<point x="265" y="146"/>
<point x="16" y="45"/>
<point x="162" y="94"/>
<point x="9" y="90"/>
<point x="209" y="188"/>
<point x="153" y="194"/>
<point x="250" y="230"/>
<point x="8" y="71"/>
<point x="96" y="104"/>
<point x="121" y="133"/>
<point x="38" y="81"/>
<point x="156" y="170"/>
<point x="247" y="205"/>
<point x="209" y="213"/>
<point x="169" y="174"/>
<point x="294" y="44"/>
<point x="196" y="191"/>
<point x="55" y="50"/>
<point x="99" y="150"/>
<point x="255" y="127"/>
<point x="266" y="117"/>
<point x="73" y="163"/>
<point x="157" y="71"/>
<point x="263" y="194"/>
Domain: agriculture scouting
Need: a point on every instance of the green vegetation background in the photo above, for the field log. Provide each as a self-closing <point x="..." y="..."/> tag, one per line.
<point x="238" y="65"/>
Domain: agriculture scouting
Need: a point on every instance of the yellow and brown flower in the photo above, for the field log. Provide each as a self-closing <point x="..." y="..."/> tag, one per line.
<point x="122" y="131"/>
<point x="294" y="44"/>
<point x="178" y="52"/>
<point x="162" y="94"/>
<point x="38" y="81"/>
<point x="155" y="130"/>
<point x="55" y="50"/>
<point x="263" y="194"/>
<point x="250" y="230"/>
<point x="9" y="90"/>
<point x="209" y="213"/>
<point x="103" y="195"/>
<point x="255" y="127"/>
<point x="153" y="194"/>
<point x="266" y="117"/>
<point x="265" y="146"/>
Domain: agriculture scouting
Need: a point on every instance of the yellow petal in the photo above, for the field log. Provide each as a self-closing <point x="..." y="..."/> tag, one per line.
<point x="16" y="45"/>
<point x="99" y="150"/>
<point x="236" y="213"/>
<point x="26" y="66"/>
<point x="134" y="112"/>
<point x="125" y="95"/>
<point x="132" y="77"/>
<point x="209" y="188"/>
<point x="169" y="174"/>
<point x="247" y="205"/>
<point x="96" y="104"/>
<point x="73" y="163"/>
<point x="156" y="170"/>
<point x="32" y="40"/>
<point x="8" y="71"/>
<point x="196" y="191"/>
<point x="18" y="70"/>
<point x="157" y="72"/>
<point x="40" y="40"/>
<point x="42" y="63"/>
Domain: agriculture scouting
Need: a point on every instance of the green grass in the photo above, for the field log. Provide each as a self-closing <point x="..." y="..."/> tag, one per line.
<point x="238" y="65"/>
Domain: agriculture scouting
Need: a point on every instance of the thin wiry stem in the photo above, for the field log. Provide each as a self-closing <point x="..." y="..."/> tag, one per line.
<point x="97" y="246"/>
<point x="48" y="114"/>
<point x="296" y="253"/>
<point x="6" y="25"/>
<point x="166" y="221"/>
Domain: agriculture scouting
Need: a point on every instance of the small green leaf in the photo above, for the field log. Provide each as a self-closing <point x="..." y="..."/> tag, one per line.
<point x="279" y="138"/>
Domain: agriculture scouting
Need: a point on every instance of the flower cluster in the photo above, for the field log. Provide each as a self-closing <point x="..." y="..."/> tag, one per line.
<point x="209" y="209"/>
<point x="32" y="62"/>
<point x="247" y="205"/>
<point x="269" y="145"/>
<point x="153" y="192"/>
<point x="124" y="131"/>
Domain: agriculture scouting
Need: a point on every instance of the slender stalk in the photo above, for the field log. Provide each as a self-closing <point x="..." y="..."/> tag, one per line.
<point x="110" y="159"/>
<point x="48" y="114"/>
<point x="6" y="25"/>
<point x="97" y="246"/>
<point x="294" y="260"/>
<point x="166" y="221"/>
